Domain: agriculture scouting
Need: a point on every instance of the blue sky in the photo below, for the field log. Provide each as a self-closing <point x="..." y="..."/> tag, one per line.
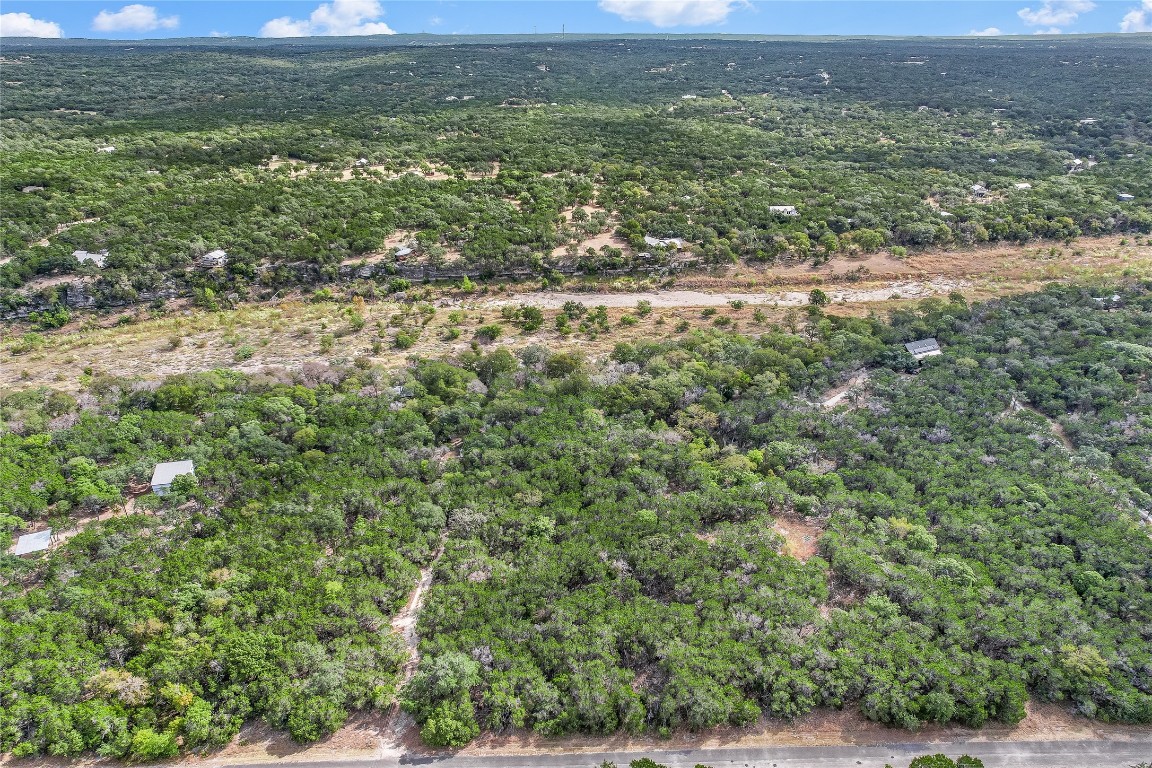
<point x="292" y="18"/>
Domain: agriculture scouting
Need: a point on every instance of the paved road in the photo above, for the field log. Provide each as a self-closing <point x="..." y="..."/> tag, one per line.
<point x="1019" y="754"/>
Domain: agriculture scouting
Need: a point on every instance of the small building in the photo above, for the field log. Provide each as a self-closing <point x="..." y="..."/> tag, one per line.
<point x="1022" y="185"/>
<point x="106" y="149"/>
<point x="1124" y="197"/>
<point x="403" y="252"/>
<point x="216" y="258"/>
<point x="664" y="242"/>
<point x="923" y="348"/>
<point x="1108" y="301"/>
<point x="979" y="190"/>
<point x="168" y="471"/>
<point x="96" y="258"/>
<point x="786" y="210"/>
<point x="30" y="543"/>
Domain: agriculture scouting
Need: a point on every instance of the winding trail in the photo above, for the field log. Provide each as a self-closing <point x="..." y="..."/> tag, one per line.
<point x="404" y="623"/>
<point x="59" y="537"/>
<point x="837" y="395"/>
<point x="397" y="722"/>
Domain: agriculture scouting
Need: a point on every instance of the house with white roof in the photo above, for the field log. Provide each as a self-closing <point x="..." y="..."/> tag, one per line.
<point x="31" y="543"/>
<point x="168" y="471"/>
<point x="216" y="258"/>
<point x="664" y="242"/>
<point x="923" y="348"/>
<point x="787" y="210"/>
<point x="96" y="257"/>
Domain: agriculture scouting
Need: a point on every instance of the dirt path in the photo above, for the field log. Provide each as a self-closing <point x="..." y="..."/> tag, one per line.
<point x="667" y="299"/>
<point x="58" y="538"/>
<point x="1056" y="427"/>
<point x="404" y="622"/>
<point x="837" y="395"/>
<point x="62" y="228"/>
<point x="398" y="726"/>
<point x="287" y="333"/>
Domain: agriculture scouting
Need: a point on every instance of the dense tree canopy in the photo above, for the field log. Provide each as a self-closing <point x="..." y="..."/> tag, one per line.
<point x="875" y="144"/>
<point x="613" y="559"/>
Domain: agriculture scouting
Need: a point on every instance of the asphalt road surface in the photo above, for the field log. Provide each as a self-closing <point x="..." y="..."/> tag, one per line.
<point x="1006" y="754"/>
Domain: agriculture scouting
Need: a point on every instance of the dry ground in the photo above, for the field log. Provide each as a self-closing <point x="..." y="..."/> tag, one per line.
<point x="289" y="333"/>
<point x="801" y="537"/>
<point x="374" y="735"/>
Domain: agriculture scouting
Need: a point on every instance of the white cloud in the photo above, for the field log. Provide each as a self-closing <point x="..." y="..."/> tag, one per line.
<point x="23" y="25"/>
<point x="673" y="13"/>
<point x="987" y="32"/>
<point x="1055" y="13"/>
<point x="214" y="33"/>
<point x="1049" y="31"/>
<point x="1138" y="19"/>
<point x="338" y="18"/>
<point x="435" y="21"/>
<point x="133" y="18"/>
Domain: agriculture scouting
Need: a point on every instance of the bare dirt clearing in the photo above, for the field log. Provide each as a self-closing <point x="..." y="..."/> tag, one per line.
<point x="291" y="333"/>
<point x="901" y="290"/>
<point x="596" y="242"/>
<point x="994" y="265"/>
<point x="801" y="536"/>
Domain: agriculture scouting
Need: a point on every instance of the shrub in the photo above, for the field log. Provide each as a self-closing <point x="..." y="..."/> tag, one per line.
<point x="148" y="745"/>
<point x="489" y="332"/>
<point x="451" y="724"/>
<point x="314" y="718"/>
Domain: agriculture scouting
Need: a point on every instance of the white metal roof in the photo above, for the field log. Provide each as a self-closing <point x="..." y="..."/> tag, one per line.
<point x="164" y="473"/>
<point x="33" y="542"/>
<point x="922" y="346"/>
